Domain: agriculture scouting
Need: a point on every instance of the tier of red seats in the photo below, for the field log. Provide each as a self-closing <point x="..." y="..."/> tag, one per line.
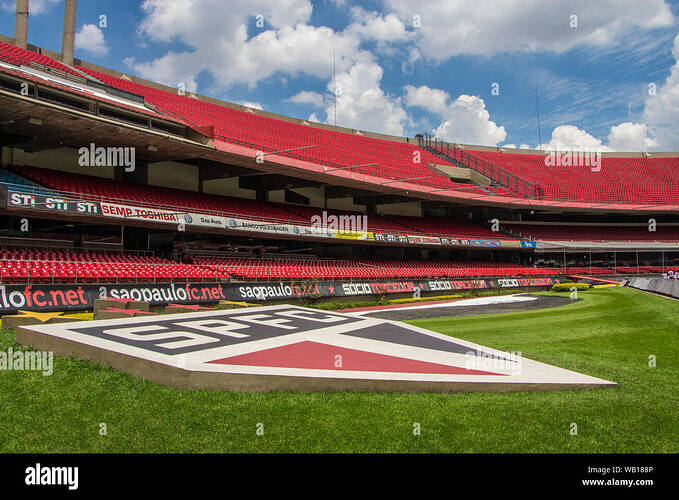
<point x="394" y="160"/>
<point x="66" y="266"/>
<point x="624" y="180"/>
<point x="621" y="180"/>
<point x="367" y="268"/>
<point x="182" y="200"/>
<point x="18" y="56"/>
<point x="592" y="233"/>
<point x="162" y="197"/>
<point x="296" y="214"/>
<point x="371" y="268"/>
<point x="53" y="84"/>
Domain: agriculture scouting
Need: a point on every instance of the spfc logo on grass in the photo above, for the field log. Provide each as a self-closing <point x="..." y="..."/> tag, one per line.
<point x="296" y="349"/>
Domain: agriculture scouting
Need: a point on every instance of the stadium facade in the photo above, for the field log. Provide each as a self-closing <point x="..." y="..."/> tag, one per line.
<point x="110" y="184"/>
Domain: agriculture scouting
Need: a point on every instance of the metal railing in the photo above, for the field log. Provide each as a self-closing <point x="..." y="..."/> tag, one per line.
<point x="511" y="181"/>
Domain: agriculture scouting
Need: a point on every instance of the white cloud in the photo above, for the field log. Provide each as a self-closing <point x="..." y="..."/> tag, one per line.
<point x="434" y="100"/>
<point x="568" y="137"/>
<point x="253" y="105"/>
<point x="661" y="111"/>
<point x="658" y="130"/>
<point x="464" y="120"/>
<point x="308" y="97"/>
<point x="224" y="47"/>
<point x="220" y="44"/>
<point x="91" y="39"/>
<point x="171" y="69"/>
<point x="494" y="26"/>
<point x="630" y="137"/>
<point x="626" y="137"/>
<point x="373" y="26"/>
<point x="408" y="63"/>
<point x="362" y="104"/>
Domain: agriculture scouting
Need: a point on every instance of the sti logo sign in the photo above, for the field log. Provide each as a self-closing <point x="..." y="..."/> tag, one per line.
<point x="296" y="349"/>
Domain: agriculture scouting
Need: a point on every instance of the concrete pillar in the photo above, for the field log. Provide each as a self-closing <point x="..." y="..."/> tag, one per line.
<point x="68" y="36"/>
<point x="21" y="24"/>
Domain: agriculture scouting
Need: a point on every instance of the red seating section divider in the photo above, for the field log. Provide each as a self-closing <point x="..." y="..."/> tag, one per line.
<point x="395" y="160"/>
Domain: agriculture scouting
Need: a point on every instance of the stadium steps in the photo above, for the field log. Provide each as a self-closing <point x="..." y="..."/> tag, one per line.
<point x="444" y="157"/>
<point x="503" y="177"/>
<point x="83" y="74"/>
<point x="449" y="159"/>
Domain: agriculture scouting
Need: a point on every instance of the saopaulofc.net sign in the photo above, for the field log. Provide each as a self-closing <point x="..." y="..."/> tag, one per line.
<point x="82" y="296"/>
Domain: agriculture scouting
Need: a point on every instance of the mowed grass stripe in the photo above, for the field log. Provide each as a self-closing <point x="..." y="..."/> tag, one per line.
<point x="609" y="334"/>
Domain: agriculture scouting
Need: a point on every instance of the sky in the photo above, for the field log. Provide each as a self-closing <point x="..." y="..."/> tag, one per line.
<point x="603" y="74"/>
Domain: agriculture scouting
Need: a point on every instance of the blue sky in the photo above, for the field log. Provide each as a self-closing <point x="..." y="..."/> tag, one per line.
<point x="606" y="72"/>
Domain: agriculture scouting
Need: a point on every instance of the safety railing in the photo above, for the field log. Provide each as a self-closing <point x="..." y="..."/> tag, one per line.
<point x="507" y="179"/>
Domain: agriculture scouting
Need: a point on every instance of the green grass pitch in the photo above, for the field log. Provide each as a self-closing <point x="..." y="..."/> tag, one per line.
<point x="609" y="334"/>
